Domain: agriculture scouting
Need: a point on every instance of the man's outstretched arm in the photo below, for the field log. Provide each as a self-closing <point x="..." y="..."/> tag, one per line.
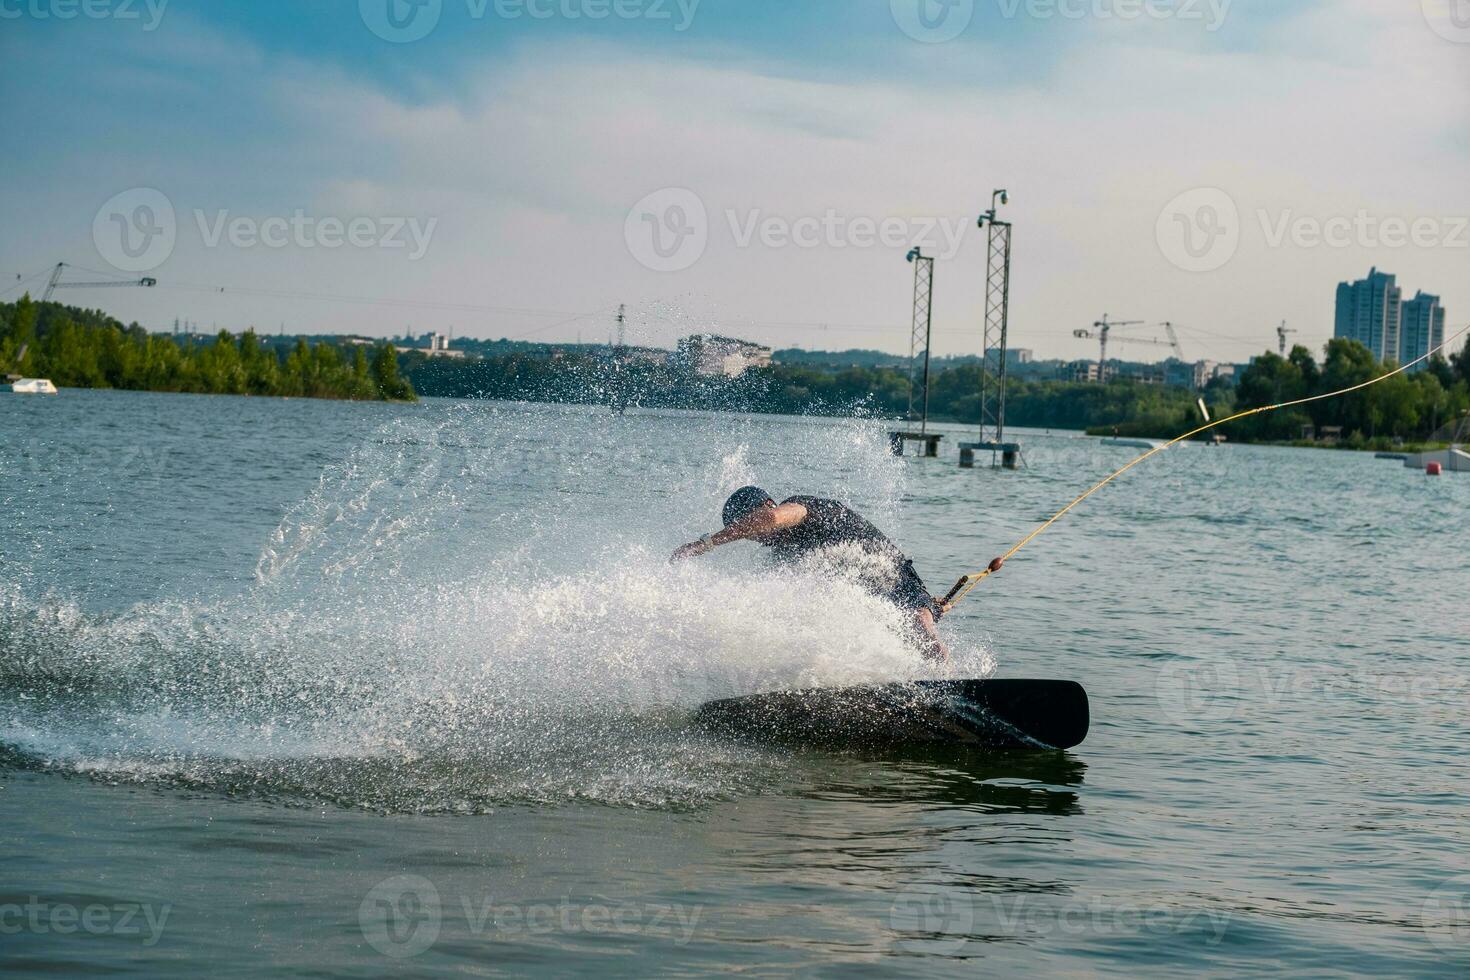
<point x="767" y="520"/>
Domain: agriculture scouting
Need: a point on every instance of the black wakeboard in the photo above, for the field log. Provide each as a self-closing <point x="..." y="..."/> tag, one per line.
<point x="992" y="714"/>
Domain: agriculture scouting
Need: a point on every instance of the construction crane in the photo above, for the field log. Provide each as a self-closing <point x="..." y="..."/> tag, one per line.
<point x="1174" y="340"/>
<point x="1283" y="333"/>
<point x="1102" y="333"/>
<point x="56" y="283"/>
<point x="1103" y="330"/>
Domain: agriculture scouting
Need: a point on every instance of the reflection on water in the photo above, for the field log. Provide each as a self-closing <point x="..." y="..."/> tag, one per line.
<point x="987" y="782"/>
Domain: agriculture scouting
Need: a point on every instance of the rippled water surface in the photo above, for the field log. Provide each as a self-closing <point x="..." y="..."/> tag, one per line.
<point x="337" y="689"/>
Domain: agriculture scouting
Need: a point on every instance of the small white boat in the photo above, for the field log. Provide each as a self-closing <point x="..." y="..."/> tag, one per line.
<point x="29" y="386"/>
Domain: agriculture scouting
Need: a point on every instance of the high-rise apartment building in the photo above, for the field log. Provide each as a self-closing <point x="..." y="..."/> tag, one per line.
<point x="1368" y="312"/>
<point x="1373" y="312"/>
<point x="1421" y="328"/>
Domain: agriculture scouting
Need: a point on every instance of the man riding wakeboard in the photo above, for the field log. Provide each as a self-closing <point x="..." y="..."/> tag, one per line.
<point x="805" y="526"/>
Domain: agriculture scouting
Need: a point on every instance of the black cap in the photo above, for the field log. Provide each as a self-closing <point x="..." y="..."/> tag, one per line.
<point x="743" y="503"/>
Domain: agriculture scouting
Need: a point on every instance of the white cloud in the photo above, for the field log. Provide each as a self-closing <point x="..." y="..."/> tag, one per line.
<point x="531" y="170"/>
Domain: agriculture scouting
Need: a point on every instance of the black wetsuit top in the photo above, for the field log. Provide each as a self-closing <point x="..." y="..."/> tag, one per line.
<point x="830" y="522"/>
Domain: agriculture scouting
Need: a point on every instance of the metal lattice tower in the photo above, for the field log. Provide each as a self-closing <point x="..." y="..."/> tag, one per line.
<point x="997" y="317"/>
<point x="920" y="338"/>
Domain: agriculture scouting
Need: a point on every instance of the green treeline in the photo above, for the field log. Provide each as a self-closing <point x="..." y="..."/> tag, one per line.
<point x="1406" y="406"/>
<point x="87" y="349"/>
<point x="1074" y="404"/>
<point x="795" y="389"/>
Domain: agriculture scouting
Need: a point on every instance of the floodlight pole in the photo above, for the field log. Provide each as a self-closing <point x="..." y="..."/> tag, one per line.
<point x="994" y="344"/>
<point x="922" y="331"/>
<point x="997" y="317"/>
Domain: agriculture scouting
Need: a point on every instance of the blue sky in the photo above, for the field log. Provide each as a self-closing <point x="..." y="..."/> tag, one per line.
<point x="500" y="168"/>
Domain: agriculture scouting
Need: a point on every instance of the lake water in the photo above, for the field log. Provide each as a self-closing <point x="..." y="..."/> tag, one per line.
<point x="347" y="690"/>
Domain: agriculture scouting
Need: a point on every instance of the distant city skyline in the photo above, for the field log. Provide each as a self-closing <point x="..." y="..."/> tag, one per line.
<point x="493" y="176"/>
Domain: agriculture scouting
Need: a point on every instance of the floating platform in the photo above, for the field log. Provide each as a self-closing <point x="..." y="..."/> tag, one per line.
<point x="929" y="443"/>
<point x="1454" y="460"/>
<point x="1010" y="453"/>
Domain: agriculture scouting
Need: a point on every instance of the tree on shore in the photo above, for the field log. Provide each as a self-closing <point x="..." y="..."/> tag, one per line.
<point x="1405" y="406"/>
<point x="385" y="374"/>
<point x="86" y="349"/>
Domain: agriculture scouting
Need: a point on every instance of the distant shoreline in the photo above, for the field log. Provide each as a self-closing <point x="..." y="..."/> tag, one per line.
<point x="1378" y="445"/>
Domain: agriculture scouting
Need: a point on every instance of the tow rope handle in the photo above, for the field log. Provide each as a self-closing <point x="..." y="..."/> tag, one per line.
<point x="961" y="588"/>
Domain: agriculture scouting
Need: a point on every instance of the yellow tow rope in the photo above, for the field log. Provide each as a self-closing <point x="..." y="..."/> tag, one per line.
<point x="966" y="584"/>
